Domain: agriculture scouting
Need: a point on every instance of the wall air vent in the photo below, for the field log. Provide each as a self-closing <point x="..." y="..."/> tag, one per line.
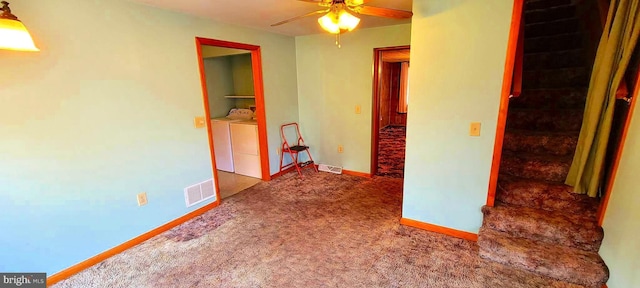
<point x="199" y="192"/>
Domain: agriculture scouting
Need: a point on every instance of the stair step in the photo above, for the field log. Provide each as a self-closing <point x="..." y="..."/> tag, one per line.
<point x="553" y="227"/>
<point x="550" y="14"/>
<point x="557" y="27"/>
<point x="544" y="4"/>
<point x="516" y="191"/>
<point x="556" y="78"/>
<point x="554" y="143"/>
<point x="554" y="60"/>
<point x="545" y="120"/>
<point x="555" y="261"/>
<point x="553" y="43"/>
<point x="560" y="98"/>
<point x="535" y="166"/>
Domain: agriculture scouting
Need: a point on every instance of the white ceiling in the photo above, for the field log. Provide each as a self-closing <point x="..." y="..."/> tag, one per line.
<point x="260" y="14"/>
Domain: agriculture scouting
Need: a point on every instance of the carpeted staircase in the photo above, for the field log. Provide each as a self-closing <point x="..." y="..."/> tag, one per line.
<point x="537" y="223"/>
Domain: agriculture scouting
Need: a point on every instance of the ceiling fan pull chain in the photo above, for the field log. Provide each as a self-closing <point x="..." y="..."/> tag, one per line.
<point x="338" y="40"/>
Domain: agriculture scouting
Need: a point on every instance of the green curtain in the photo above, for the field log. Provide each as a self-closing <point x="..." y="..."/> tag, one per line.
<point x="614" y="52"/>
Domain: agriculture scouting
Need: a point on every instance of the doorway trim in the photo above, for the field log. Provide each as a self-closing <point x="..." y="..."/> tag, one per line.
<point x="608" y="189"/>
<point x="512" y="47"/>
<point x="256" y="65"/>
<point x="375" y="107"/>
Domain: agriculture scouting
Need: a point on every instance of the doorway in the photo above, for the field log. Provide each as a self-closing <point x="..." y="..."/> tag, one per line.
<point x="232" y="89"/>
<point x="390" y="108"/>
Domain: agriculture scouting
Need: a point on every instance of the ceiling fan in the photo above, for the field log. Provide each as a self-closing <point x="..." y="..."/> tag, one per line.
<point x="338" y="16"/>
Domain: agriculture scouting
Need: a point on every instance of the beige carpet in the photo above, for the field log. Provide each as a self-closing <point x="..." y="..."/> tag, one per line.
<point x="325" y="230"/>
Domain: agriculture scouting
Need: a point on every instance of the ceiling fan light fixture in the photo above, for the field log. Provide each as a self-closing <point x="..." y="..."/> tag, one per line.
<point x="336" y="22"/>
<point x="346" y="21"/>
<point x="329" y="22"/>
<point x="13" y="34"/>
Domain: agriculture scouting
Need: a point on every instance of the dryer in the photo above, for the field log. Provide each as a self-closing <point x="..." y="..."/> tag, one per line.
<point x="222" y="137"/>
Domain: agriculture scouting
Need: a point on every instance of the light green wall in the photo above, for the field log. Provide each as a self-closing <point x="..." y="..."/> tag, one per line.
<point x="458" y="51"/>
<point x="242" y="74"/>
<point x="621" y="248"/>
<point x="103" y="112"/>
<point x="229" y="75"/>
<point x="331" y="82"/>
<point x="219" y="84"/>
<point x="244" y="103"/>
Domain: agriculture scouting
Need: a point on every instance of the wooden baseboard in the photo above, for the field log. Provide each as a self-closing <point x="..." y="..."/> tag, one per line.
<point x="346" y="172"/>
<point x="64" y="274"/>
<point x="356" y="173"/>
<point x="285" y="171"/>
<point x="439" y="229"/>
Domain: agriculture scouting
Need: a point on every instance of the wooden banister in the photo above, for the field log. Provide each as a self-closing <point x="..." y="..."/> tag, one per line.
<point x="603" y="8"/>
<point x="518" y="65"/>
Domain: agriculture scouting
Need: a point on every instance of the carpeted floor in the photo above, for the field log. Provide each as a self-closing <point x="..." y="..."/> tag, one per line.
<point x="325" y="230"/>
<point x="391" y="150"/>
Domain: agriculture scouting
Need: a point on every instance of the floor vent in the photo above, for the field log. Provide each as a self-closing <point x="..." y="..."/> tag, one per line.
<point x="330" y="169"/>
<point x="199" y="192"/>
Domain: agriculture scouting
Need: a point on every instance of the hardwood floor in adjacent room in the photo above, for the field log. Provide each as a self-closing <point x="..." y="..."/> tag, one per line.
<point x="232" y="183"/>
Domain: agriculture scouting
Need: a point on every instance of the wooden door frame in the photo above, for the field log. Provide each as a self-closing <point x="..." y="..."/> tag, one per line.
<point x="604" y="202"/>
<point x="256" y="65"/>
<point x="375" y="109"/>
<point x="512" y="48"/>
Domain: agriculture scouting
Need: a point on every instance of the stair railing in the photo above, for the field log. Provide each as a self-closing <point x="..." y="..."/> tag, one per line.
<point x="516" y="82"/>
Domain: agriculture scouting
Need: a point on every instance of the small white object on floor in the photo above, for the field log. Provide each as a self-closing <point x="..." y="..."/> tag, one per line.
<point x="330" y="169"/>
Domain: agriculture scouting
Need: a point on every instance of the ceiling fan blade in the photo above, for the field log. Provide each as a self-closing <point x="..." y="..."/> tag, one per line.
<point x="356" y="2"/>
<point x="383" y="12"/>
<point x="301" y="16"/>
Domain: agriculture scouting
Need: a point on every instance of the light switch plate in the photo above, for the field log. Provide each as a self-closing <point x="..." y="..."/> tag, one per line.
<point x="199" y="122"/>
<point x="142" y="198"/>
<point x="474" y="130"/>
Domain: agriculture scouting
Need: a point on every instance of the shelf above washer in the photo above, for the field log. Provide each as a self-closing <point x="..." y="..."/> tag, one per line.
<point x="240" y="96"/>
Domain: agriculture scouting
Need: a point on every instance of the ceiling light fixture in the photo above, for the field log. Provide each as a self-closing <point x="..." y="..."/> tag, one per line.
<point x="339" y="15"/>
<point x="338" y="20"/>
<point x="13" y="34"/>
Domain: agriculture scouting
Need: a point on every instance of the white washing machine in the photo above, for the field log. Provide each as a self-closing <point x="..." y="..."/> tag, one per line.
<point x="222" y="137"/>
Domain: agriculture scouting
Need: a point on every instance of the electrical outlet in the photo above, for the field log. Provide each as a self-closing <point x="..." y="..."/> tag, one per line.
<point x="474" y="130"/>
<point x="358" y="109"/>
<point x="340" y="149"/>
<point x="142" y="199"/>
